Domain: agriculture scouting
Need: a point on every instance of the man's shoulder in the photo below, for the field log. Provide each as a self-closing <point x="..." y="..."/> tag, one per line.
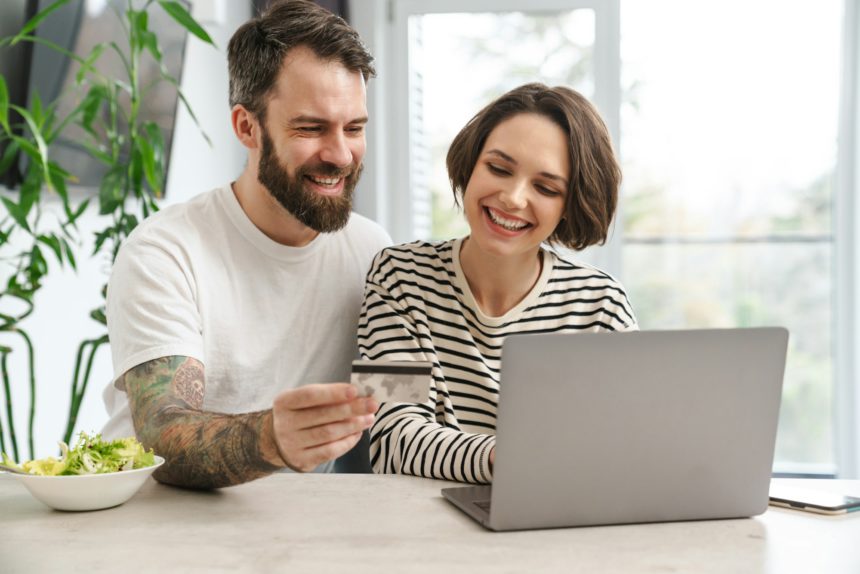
<point x="363" y="227"/>
<point x="172" y="222"/>
<point x="361" y="236"/>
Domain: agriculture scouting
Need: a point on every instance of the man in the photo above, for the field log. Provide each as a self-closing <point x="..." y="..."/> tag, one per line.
<point x="229" y="314"/>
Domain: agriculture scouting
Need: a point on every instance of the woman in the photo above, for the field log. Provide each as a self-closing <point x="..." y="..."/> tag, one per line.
<point x="533" y="167"/>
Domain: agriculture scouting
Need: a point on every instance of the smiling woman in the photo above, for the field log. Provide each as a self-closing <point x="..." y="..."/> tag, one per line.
<point x="534" y="166"/>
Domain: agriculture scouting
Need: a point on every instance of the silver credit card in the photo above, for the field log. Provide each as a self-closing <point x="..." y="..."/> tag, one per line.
<point x="393" y="382"/>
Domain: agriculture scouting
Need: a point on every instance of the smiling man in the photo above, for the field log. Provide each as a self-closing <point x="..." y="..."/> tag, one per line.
<point x="232" y="317"/>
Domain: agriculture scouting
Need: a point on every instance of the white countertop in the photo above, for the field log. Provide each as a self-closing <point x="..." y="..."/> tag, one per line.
<point x="366" y="523"/>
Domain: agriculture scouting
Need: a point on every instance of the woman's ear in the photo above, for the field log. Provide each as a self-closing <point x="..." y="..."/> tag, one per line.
<point x="245" y="126"/>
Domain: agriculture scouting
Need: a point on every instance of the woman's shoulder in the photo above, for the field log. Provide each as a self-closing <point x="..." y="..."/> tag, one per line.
<point x="567" y="269"/>
<point x="428" y="262"/>
<point x="416" y="253"/>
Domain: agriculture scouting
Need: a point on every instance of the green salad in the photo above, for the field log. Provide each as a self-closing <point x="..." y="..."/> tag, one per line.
<point x="90" y="455"/>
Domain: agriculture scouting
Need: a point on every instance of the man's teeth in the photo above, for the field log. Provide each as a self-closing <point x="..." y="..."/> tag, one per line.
<point x="324" y="180"/>
<point x="506" y="223"/>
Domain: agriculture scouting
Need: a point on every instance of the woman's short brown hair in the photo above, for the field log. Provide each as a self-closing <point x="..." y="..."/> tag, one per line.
<point x="595" y="176"/>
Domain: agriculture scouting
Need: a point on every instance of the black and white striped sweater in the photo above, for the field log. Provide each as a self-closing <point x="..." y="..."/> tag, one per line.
<point x="418" y="307"/>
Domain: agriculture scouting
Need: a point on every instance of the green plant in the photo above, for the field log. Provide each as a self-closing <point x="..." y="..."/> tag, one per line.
<point x="25" y="230"/>
<point x="131" y="149"/>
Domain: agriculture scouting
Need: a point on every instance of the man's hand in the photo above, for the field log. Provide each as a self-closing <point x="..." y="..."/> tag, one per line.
<point x="317" y="423"/>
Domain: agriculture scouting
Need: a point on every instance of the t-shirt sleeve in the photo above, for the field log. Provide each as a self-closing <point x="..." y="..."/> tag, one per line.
<point x="152" y="310"/>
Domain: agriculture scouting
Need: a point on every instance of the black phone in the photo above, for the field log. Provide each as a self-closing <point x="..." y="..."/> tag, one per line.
<point x="812" y="500"/>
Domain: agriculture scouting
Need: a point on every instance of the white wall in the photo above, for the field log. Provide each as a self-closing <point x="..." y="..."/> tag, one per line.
<point x="63" y="305"/>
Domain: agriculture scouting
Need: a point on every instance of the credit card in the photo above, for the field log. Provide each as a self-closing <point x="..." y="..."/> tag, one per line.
<point x="393" y="382"/>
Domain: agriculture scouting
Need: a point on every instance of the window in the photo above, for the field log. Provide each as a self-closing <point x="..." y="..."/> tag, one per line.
<point x="726" y="117"/>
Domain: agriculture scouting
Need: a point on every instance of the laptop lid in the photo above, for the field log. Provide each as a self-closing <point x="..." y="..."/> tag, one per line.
<point x="648" y="426"/>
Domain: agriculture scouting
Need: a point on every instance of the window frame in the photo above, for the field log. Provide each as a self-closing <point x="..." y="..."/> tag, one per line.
<point x="846" y="215"/>
<point x="385" y="192"/>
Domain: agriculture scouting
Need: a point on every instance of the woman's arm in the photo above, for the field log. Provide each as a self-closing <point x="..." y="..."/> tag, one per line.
<point x="414" y="438"/>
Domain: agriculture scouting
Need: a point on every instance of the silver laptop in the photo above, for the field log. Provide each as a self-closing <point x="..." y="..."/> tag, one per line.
<point x="616" y="428"/>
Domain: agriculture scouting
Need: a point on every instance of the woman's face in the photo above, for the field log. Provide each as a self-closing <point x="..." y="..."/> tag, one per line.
<point x="516" y="195"/>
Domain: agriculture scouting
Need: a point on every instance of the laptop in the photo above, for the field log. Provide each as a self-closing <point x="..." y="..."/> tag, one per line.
<point x="620" y="428"/>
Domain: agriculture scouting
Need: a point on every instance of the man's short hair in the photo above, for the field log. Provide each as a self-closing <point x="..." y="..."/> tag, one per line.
<point x="257" y="49"/>
<point x="595" y="176"/>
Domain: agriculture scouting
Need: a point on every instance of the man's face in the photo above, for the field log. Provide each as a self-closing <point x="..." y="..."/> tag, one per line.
<point x="312" y="140"/>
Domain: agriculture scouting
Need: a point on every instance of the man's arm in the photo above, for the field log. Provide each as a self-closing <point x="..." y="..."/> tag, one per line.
<point x="305" y="427"/>
<point x="202" y="449"/>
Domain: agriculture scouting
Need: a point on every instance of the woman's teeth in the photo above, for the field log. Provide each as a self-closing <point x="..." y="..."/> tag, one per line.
<point x="508" y="224"/>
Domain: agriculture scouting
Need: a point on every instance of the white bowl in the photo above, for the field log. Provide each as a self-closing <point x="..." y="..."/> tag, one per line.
<point x="87" y="491"/>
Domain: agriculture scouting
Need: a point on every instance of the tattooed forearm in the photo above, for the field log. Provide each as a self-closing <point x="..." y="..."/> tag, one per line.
<point x="202" y="449"/>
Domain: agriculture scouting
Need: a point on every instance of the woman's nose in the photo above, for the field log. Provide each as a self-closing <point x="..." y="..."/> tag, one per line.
<point x="515" y="195"/>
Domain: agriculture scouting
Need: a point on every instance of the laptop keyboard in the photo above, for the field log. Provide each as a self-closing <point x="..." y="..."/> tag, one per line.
<point x="483" y="505"/>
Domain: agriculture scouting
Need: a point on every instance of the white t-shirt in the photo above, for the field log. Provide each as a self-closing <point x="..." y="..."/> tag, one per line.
<point x="201" y="280"/>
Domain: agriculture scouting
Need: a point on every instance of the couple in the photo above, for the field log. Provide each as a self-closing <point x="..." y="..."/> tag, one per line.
<point x="230" y="314"/>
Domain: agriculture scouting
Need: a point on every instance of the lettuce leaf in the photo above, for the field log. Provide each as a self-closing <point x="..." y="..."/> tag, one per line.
<point x="90" y="455"/>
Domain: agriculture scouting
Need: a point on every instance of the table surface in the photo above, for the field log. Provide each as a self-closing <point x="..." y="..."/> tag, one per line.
<point x="366" y="523"/>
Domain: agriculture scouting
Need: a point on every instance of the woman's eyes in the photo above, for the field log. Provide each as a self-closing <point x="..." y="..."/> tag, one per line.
<point x="548" y="191"/>
<point x="497" y="170"/>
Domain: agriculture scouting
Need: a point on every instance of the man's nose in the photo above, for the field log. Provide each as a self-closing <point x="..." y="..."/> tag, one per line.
<point x="336" y="150"/>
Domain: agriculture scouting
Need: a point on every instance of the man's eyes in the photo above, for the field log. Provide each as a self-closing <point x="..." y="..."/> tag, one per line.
<point x="351" y="130"/>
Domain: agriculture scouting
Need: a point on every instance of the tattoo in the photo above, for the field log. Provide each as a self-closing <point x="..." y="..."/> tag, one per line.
<point x="202" y="449"/>
<point x="188" y="382"/>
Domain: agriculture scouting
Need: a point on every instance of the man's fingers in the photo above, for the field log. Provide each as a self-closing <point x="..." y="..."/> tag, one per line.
<point x="316" y="395"/>
<point x="311" y="458"/>
<point x="317" y="419"/>
<point x="315" y="416"/>
<point x="323" y="434"/>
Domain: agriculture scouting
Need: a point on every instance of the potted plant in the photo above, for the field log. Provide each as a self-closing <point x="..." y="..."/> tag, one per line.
<point x="131" y="148"/>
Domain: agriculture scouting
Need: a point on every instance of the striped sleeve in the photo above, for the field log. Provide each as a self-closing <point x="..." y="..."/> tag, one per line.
<point x="409" y="438"/>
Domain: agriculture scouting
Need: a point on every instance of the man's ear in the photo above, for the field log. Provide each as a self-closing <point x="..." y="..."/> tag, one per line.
<point x="245" y="126"/>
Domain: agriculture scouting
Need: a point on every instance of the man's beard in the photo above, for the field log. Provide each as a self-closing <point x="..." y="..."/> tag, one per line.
<point x="319" y="212"/>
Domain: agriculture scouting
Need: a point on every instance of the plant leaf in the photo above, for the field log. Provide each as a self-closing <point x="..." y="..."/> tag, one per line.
<point x="90" y="106"/>
<point x="101" y="237"/>
<point x="152" y="151"/>
<point x="40" y="141"/>
<point x="36" y="109"/>
<point x="103" y="157"/>
<point x="99" y="315"/>
<point x="87" y="65"/>
<point x="150" y="41"/>
<point x="28" y="148"/>
<point x="34" y="22"/>
<point x="54" y="243"/>
<point x="58" y="182"/>
<point x="110" y="191"/>
<point x="16" y="212"/>
<point x="79" y="211"/>
<point x="137" y="171"/>
<point x="70" y="254"/>
<point x="181" y="15"/>
<point x="141" y="21"/>
<point x="4" y="105"/>
<point x="170" y="79"/>
<point x="148" y="161"/>
<point x="9" y="155"/>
